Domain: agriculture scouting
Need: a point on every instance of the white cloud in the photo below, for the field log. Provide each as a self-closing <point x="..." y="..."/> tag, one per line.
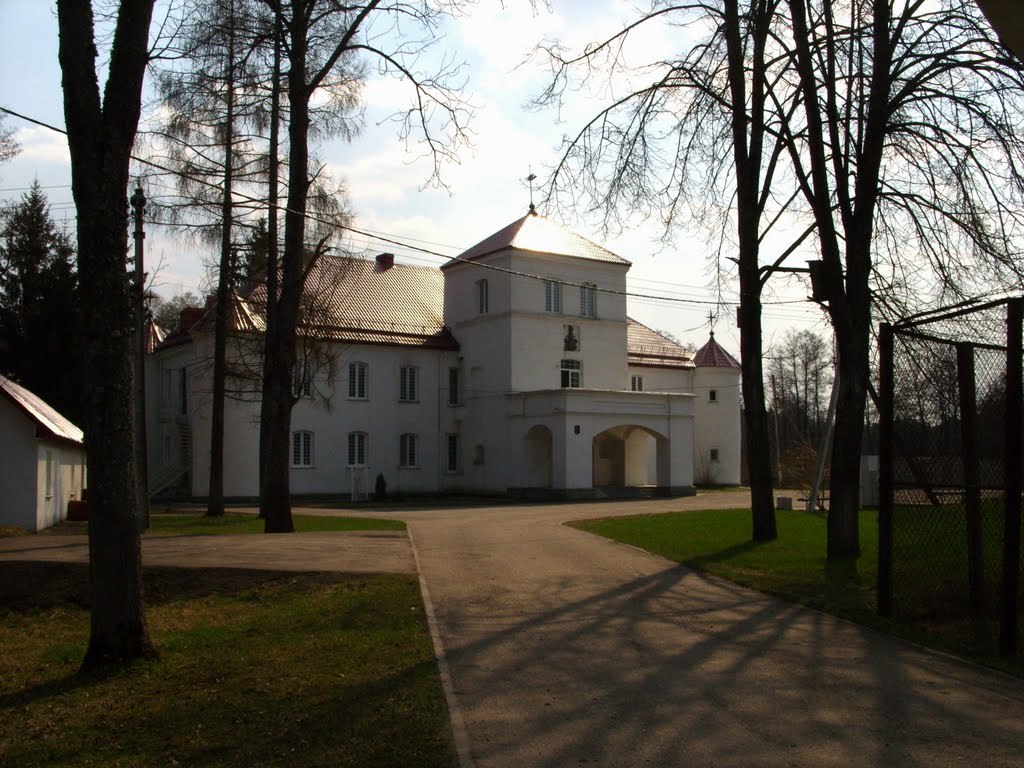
<point x="41" y="145"/>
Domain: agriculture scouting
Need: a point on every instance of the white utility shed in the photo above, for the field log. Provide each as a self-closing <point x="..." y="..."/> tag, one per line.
<point x="42" y="459"/>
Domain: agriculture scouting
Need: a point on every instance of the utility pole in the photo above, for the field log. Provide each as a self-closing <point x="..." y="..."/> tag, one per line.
<point x="138" y="203"/>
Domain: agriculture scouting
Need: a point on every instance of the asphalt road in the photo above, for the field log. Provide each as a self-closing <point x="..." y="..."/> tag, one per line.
<point x="566" y="649"/>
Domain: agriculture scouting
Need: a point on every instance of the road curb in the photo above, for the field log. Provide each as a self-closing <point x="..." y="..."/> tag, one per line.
<point x="459" y="734"/>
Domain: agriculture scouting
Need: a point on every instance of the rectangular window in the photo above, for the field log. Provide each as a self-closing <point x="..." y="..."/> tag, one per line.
<point x="356" y="449"/>
<point x="167" y="386"/>
<point x="571" y="373"/>
<point x="552" y="297"/>
<point x="357" y="381"/>
<point x="407" y="385"/>
<point x="714" y="454"/>
<point x="713" y="395"/>
<point x="408" y="457"/>
<point x="453" y="386"/>
<point x="453" y="453"/>
<point x="300" y="379"/>
<point x="49" y="474"/>
<point x="302" y="449"/>
<point x="587" y="304"/>
<point x="483" y="303"/>
<point x="183" y="399"/>
<point x="636" y="383"/>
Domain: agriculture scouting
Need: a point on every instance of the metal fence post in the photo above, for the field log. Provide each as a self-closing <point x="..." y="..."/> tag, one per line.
<point x="885" y="468"/>
<point x="972" y="491"/>
<point x="1012" y="512"/>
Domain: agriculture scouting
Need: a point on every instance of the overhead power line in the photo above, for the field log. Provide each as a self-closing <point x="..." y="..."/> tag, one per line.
<point x="393" y="240"/>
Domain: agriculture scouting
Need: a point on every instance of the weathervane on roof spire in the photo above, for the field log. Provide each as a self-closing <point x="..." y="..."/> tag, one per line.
<point x="531" y="178"/>
<point x="711" y="323"/>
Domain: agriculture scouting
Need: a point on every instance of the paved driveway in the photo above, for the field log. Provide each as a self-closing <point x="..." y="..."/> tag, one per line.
<point x="569" y="650"/>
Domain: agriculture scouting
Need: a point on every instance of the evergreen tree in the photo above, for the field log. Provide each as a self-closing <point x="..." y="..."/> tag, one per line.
<point x="39" y="311"/>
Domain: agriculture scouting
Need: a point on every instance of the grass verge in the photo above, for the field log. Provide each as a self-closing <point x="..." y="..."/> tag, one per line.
<point x="794" y="567"/>
<point x="256" y="668"/>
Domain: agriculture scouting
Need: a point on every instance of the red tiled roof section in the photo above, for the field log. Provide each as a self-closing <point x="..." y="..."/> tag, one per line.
<point x="647" y="347"/>
<point x="353" y="300"/>
<point x="46" y="417"/>
<point x="711" y="355"/>
<point x="540" y="235"/>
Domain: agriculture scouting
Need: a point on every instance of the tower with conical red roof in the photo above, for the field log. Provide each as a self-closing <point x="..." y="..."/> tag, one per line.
<point x="717" y="416"/>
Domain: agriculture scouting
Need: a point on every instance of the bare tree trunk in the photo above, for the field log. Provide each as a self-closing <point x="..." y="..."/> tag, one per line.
<point x="273" y="171"/>
<point x="275" y="491"/>
<point x="748" y="138"/>
<point x="215" y="501"/>
<point x="100" y="138"/>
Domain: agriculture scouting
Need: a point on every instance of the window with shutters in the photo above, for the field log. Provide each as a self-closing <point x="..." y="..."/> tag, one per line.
<point x="453" y="386"/>
<point x="301" y="378"/>
<point x="357" y="381"/>
<point x="407" y="384"/>
<point x="482" y="298"/>
<point x="572" y="371"/>
<point x="302" y="448"/>
<point x="408" y="451"/>
<point x="356" y="449"/>
<point x="636" y="383"/>
<point x="452" y="463"/>
<point x="588" y="305"/>
<point x="552" y="297"/>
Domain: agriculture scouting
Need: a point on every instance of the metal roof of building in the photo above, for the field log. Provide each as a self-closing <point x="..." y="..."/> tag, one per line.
<point x="537" y="234"/>
<point x="647" y="347"/>
<point x="45" y="416"/>
<point x="356" y="301"/>
<point x="711" y="355"/>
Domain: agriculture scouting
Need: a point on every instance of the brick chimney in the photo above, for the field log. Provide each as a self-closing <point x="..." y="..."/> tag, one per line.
<point x="385" y="261"/>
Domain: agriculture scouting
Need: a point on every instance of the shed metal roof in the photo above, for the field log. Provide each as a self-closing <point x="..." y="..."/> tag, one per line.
<point x="46" y="417"/>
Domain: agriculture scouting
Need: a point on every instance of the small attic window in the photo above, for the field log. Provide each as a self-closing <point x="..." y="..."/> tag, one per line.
<point x="713" y="395"/>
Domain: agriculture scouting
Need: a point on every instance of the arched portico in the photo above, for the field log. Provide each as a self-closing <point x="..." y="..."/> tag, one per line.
<point x="539" y="457"/>
<point x="630" y="456"/>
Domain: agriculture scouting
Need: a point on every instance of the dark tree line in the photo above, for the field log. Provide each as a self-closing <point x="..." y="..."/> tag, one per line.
<point x="39" y="309"/>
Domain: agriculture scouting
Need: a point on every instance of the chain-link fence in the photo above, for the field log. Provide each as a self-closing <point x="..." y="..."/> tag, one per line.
<point x="950" y="473"/>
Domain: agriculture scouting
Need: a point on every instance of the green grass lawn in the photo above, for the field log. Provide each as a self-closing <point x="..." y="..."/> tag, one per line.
<point x="167" y="523"/>
<point x="255" y="669"/>
<point x="793" y="567"/>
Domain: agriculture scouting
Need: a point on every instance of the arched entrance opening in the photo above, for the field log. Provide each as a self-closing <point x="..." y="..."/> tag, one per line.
<point x="539" y="456"/>
<point x="629" y="456"/>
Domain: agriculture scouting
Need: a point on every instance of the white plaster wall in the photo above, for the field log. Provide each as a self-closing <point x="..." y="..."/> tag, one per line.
<point x="163" y="408"/>
<point x="331" y="415"/>
<point x="537" y="336"/>
<point x="66" y="467"/>
<point x="717" y="425"/>
<point x="661" y="379"/>
<point x="18" y="500"/>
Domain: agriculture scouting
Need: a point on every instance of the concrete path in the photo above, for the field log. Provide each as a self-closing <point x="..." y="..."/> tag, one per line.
<point x="569" y="650"/>
<point x="564" y="649"/>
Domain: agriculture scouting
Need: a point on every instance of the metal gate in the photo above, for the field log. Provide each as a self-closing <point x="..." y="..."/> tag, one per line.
<point x="950" y="471"/>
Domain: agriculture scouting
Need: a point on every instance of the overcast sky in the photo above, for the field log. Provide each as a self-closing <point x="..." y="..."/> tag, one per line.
<point x="486" y="189"/>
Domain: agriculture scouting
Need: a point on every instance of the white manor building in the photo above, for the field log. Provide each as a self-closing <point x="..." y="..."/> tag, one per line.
<point x="511" y="369"/>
